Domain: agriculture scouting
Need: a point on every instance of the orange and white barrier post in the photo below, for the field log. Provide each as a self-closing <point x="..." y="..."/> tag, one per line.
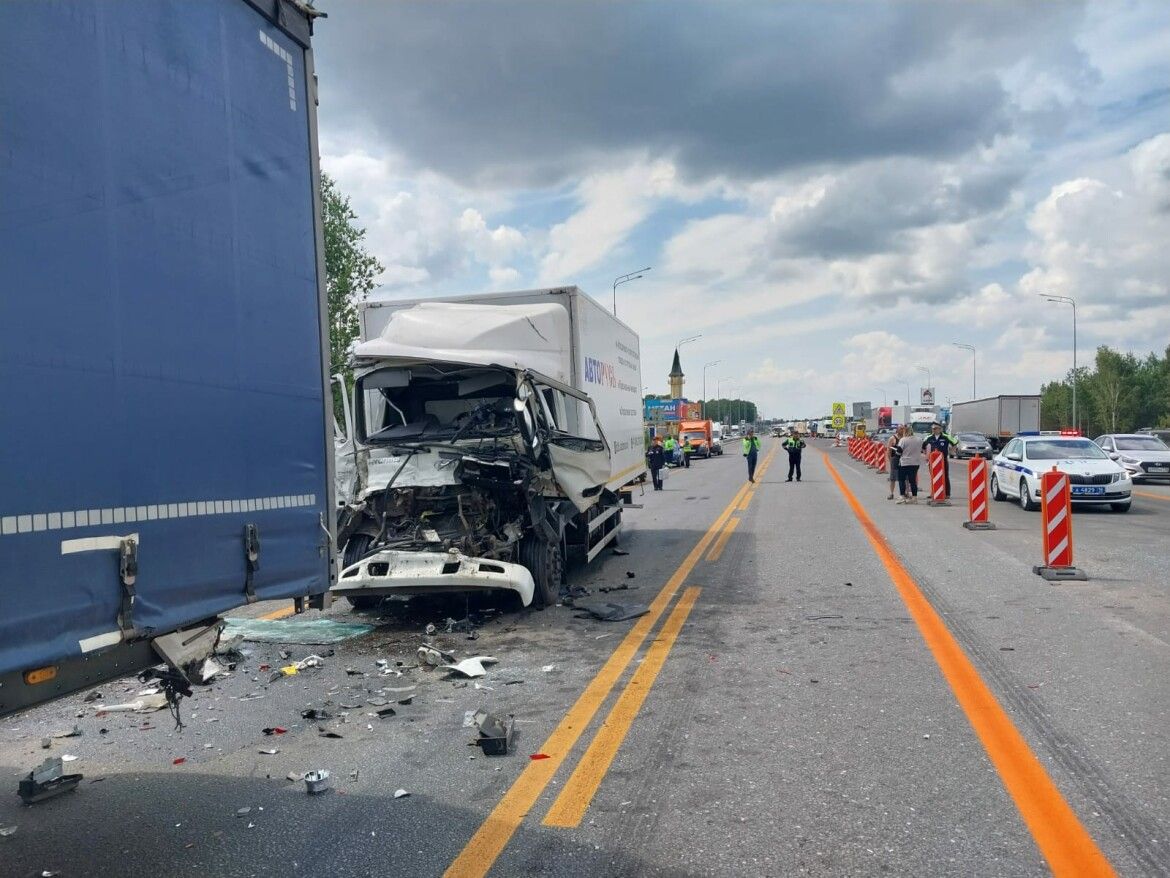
<point x="938" y="480"/>
<point x="867" y="455"/>
<point x="977" y="496"/>
<point x="1056" y="524"/>
<point x="883" y="458"/>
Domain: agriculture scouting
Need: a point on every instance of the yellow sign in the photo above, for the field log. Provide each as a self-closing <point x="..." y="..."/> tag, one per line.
<point x="839" y="409"/>
<point x="859" y="431"/>
<point x="838" y="422"/>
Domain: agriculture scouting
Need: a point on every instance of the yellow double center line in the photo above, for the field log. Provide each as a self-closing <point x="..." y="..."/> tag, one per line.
<point x="480" y="853"/>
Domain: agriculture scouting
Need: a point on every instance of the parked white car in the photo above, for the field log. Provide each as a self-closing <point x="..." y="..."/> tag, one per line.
<point x="1096" y="480"/>
<point x="1144" y="456"/>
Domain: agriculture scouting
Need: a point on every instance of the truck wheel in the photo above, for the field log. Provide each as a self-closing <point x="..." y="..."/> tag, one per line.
<point x="356" y="547"/>
<point x="546" y="563"/>
<point x="1026" y="501"/>
<point x="996" y="493"/>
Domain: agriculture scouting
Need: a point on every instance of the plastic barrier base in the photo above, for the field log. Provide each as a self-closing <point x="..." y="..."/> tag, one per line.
<point x="978" y="525"/>
<point x="1059" y="574"/>
<point x="933" y="502"/>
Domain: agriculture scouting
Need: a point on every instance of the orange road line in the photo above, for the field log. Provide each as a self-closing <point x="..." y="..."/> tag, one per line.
<point x="1062" y="839"/>
<point x="485" y="846"/>
<point x="281" y="613"/>
<point x="721" y="541"/>
<point x="570" y="806"/>
<point x="1163" y="497"/>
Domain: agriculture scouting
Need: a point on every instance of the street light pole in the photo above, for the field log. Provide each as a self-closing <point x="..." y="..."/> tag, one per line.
<point x="971" y="348"/>
<point x="1069" y="300"/>
<point x="929" y="383"/>
<point x="907" y="383"/>
<point x="703" y="407"/>
<point x="625" y="279"/>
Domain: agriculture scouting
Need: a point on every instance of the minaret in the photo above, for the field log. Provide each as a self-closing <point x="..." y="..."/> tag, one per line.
<point x="676" y="378"/>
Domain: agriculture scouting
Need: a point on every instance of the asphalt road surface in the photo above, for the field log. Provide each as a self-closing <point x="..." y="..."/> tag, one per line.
<point x="826" y="683"/>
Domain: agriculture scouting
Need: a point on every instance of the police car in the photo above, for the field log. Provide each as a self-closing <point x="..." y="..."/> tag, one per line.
<point x="1094" y="478"/>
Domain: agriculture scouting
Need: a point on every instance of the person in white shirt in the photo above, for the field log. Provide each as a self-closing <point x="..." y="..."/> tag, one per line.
<point x="908" y="464"/>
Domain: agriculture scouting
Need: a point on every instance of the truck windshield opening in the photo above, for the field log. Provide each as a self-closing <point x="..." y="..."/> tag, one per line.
<point x="472" y="403"/>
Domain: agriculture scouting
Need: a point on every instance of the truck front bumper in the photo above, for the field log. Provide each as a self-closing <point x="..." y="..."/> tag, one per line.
<point x="397" y="572"/>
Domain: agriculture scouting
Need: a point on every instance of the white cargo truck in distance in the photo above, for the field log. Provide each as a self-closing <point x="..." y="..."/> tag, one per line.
<point x="490" y="438"/>
<point x="999" y="418"/>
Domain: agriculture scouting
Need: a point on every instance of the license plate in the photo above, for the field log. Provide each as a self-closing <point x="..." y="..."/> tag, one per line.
<point x="1087" y="489"/>
<point x="1159" y="468"/>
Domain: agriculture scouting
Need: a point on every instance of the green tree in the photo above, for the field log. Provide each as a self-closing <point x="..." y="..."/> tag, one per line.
<point x="349" y="275"/>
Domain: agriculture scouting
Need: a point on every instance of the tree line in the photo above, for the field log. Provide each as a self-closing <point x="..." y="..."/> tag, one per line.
<point x="1119" y="393"/>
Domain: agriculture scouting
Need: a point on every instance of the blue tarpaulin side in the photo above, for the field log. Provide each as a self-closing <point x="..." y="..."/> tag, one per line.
<point x="160" y="346"/>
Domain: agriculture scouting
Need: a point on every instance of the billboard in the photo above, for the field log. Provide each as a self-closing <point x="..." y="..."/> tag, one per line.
<point x="926" y="394"/>
<point x="885" y="416"/>
<point x="862" y="410"/>
<point x="662" y="409"/>
<point x="692" y="411"/>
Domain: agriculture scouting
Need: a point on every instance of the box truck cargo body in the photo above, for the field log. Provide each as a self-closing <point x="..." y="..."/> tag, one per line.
<point x="163" y="386"/>
<point x="999" y="418"/>
<point x="493" y="435"/>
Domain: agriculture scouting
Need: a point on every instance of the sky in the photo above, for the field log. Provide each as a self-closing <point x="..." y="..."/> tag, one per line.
<point x="832" y="194"/>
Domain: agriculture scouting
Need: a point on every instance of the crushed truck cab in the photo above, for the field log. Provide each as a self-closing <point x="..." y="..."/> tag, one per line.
<point x="475" y="466"/>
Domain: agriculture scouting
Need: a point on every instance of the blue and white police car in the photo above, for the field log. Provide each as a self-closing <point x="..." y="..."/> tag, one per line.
<point x="1095" y="478"/>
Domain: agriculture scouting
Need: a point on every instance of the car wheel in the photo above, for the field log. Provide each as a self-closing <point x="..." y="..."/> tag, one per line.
<point x="546" y="563"/>
<point x="996" y="493"/>
<point x="1121" y="507"/>
<point x="1026" y="501"/>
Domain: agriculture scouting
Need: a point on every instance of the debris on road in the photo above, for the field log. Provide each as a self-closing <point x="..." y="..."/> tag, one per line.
<point x="625" y="586"/>
<point x="144" y="703"/>
<point x="271" y="752"/>
<point x="401" y="794"/>
<point x="620" y="552"/>
<point x="314" y="713"/>
<point x="307" y="632"/>
<point x="386" y="713"/>
<point x="46" y="781"/>
<point x="610" y="612"/>
<point x="316" y="781"/>
<point x="178" y="760"/>
<point x="243" y="812"/>
<point x="323" y="732"/>
<point x="548" y="668"/>
<point x="495" y="733"/>
<point x="471" y="667"/>
<point x="6" y="831"/>
<point x="539" y="756"/>
<point x="429" y="655"/>
<point x="95" y="695"/>
<point x="274" y="730"/>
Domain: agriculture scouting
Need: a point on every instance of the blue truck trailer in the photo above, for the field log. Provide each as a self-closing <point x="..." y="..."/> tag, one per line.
<point x="165" y="409"/>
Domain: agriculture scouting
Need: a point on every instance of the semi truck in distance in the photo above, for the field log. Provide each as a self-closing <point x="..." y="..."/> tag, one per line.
<point x="999" y="418"/>
<point x="491" y="437"/>
<point x="163" y="336"/>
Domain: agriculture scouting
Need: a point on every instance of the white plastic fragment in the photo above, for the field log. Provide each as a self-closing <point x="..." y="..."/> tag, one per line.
<point x="401" y="794"/>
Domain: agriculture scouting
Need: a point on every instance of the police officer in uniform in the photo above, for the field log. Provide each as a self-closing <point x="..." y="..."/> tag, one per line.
<point x="794" y="445"/>
<point x="751" y="450"/>
<point x="943" y="444"/>
<point x="656" y="460"/>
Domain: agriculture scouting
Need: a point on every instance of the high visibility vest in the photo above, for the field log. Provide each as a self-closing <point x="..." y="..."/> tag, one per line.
<point x="750" y="444"/>
<point x="668" y="444"/>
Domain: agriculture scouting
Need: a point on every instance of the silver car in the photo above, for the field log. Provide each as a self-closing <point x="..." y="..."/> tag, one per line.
<point x="972" y="445"/>
<point x="1144" y="456"/>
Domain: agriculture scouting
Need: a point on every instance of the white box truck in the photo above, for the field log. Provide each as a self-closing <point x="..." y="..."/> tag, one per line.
<point x="489" y="442"/>
<point x="999" y="418"/>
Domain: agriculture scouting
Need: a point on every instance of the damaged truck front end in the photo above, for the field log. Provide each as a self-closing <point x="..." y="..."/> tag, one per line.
<point x="467" y="477"/>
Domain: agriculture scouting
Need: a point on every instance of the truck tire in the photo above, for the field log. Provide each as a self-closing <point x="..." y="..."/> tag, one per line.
<point x="355" y="547"/>
<point x="546" y="563"/>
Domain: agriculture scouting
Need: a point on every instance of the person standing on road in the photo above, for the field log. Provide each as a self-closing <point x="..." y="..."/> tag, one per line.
<point x="751" y="450"/>
<point x="893" y="459"/>
<point x="943" y="444"/>
<point x="910" y="461"/>
<point x="687" y="451"/>
<point x="656" y="460"/>
<point x="794" y="445"/>
<point x="668" y="447"/>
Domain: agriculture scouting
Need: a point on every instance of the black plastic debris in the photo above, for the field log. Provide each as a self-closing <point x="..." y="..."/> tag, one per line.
<point x="610" y="612"/>
<point x="625" y="586"/>
<point x="46" y="781"/>
<point x="495" y="733"/>
<point x="95" y="695"/>
<point x="323" y="732"/>
<point x="385" y="713"/>
<point x="314" y="713"/>
<point x="630" y="574"/>
<point x="617" y="551"/>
